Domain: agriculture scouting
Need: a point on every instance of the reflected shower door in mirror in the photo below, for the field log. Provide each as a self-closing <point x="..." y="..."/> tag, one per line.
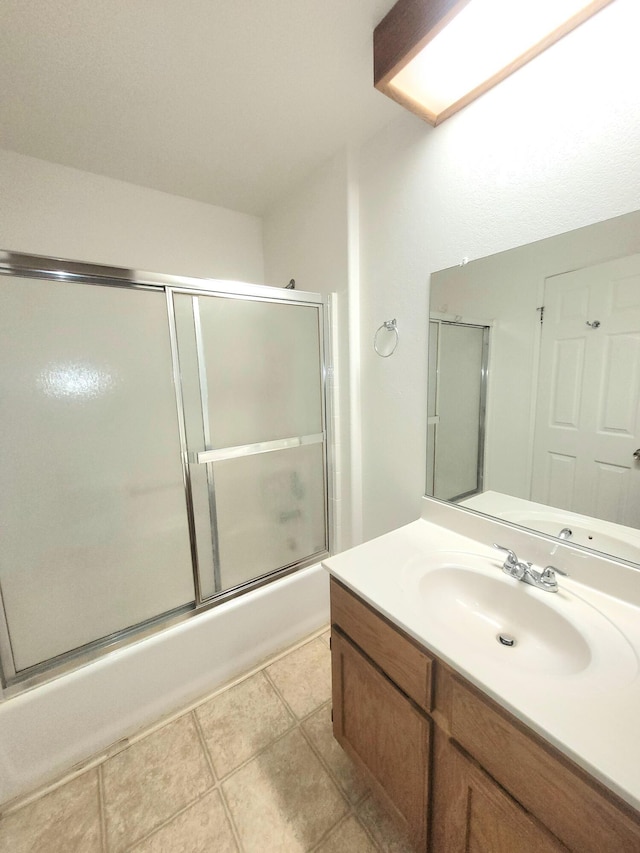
<point x="253" y="399"/>
<point x="458" y="359"/>
<point x="563" y="408"/>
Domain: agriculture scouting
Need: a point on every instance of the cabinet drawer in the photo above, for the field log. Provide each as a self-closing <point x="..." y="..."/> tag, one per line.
<point x="582" y="814"/>
<point x="398" y="656"/>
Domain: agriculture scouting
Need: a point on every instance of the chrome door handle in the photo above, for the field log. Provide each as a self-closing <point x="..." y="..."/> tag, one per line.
<point x="205" y="456"/>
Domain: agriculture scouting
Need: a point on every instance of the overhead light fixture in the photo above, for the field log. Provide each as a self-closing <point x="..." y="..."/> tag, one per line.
<point x="436" y="56"/>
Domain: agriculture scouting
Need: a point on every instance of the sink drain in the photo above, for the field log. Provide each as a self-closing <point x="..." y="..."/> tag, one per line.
<point x="506" y="639"/>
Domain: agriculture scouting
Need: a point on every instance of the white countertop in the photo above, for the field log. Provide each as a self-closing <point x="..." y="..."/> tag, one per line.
<point x="591" y="719"/>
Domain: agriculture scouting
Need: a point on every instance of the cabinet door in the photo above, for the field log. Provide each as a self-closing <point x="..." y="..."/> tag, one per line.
<point x="384" y="733"/>
<point x="482" y="818"/>
<point x="583" y="815"/>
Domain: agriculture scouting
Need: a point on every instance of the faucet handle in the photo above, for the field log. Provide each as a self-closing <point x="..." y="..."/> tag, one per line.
<point x="555" y="571"/>
<point x="550" y="573"/>
<point x="512" y="565"/>
<point x="512" y="557"/>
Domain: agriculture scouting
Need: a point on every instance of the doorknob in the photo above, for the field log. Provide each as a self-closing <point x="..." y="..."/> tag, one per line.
<point x="636" y="455"/>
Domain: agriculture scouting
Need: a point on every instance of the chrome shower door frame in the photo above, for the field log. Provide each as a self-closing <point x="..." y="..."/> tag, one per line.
<point x="62" y="270"/>
<point x="260" y="293"/>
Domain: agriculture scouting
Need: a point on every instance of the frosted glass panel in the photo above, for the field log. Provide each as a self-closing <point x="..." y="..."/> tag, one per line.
<point x="94" y="526"/>
<point x="262" y="363"/>
<point x="252" y="376"/>
<point x="271" y="511"/>
<point x="457" y="459"/>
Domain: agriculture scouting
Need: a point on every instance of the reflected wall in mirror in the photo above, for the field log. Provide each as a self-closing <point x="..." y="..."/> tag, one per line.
<point x="562" y="420"/>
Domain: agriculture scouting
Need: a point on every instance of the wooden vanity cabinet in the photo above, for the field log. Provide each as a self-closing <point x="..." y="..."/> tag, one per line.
<point x="461" y="773"/>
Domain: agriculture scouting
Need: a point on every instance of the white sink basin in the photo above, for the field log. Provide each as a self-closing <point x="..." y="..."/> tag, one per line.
<point x="470" y="599"/>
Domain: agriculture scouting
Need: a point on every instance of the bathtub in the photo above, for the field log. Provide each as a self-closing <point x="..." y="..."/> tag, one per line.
<point x="50" y="729"/>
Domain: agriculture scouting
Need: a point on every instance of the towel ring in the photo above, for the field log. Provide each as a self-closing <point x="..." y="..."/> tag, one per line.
<point x="390" y="326"/>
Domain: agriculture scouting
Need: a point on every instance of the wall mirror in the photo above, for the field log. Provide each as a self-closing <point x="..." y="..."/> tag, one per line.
<point x="534" y="386"/>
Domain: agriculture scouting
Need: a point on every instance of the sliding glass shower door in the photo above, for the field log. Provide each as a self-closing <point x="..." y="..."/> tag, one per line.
<point x="95" y="537"/>
<point x="163" y="449"/>
<point x="252" y="386"/>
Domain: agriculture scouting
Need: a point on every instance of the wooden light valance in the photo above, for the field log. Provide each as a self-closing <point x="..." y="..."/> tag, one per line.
<point x="400" y="41"/>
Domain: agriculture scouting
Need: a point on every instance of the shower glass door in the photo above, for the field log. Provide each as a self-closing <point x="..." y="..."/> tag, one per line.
<point x="95" y="537"/>
<point x="164" y="448"/>
<point x="251" y="374"/>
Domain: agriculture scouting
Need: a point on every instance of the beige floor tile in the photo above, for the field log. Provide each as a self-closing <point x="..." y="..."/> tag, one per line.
<point x="349" y="837"/>
<point x="64" y="821"/>
<point x="318" y="727"/>
<point x="202" y="828"/>
<point x="386" y="831"/>
<point x="283" y="800"/>
<point x="152" y="780"/>
<point x="304" y="677"/>
<point x="241" y="721"/>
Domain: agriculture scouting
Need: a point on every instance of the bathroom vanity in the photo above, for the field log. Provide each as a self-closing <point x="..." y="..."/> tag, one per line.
<point x="476" y="745"/>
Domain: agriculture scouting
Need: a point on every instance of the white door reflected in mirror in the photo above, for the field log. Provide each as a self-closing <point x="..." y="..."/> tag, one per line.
<point x="588" y="401"/>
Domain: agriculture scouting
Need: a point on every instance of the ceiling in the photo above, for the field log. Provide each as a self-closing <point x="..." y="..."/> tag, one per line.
<point x="225" y="101"/>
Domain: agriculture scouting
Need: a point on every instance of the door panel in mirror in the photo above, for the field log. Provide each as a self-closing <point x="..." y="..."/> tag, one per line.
<point x="588" y="396"/>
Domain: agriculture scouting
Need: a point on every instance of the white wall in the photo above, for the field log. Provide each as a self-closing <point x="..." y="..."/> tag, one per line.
<point x="305" y="232"/>
<point x="47" y="209"/>
<point x="552" y="148"/>
<point x="306" y="237"/>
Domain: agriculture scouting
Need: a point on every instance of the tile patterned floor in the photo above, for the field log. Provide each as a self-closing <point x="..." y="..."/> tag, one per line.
<point x="252" y="769"/>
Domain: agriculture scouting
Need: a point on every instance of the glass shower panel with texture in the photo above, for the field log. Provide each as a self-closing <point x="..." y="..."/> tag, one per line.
<point x="458" y="365"/>
<point x="95" y="536"/>
<point x="253" y="399"/>
<point x="163" y="449"/>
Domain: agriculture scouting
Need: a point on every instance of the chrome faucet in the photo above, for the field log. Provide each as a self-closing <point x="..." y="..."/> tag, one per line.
<point x="524" y="571"/>
<point x="565" y="533"/>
